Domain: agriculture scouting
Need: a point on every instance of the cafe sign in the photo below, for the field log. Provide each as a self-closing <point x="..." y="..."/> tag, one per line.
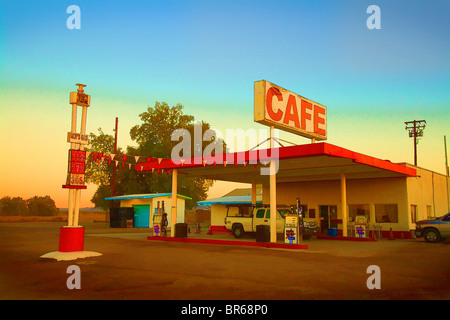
<point x="288" y="111"/>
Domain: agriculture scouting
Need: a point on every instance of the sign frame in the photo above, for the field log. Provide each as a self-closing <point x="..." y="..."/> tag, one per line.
<point x="304" y="113"/>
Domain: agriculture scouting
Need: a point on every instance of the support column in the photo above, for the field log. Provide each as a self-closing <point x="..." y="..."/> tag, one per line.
<point x="372" y="219"/>
<point x="72" y="193"/>
<point x="70" y="208"/>
<point x="174" y="202"/>
<point x="273" y="193"/>
<point x="253" y="193"/>
<point x="76" y="212"/>
<point x="344" y="205"/>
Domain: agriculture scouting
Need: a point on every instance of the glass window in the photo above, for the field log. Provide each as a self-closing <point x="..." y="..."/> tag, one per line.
<point x="260" y="213"/>
<point x="429" y="212"/>
<point x="413" y="213"/>
<point x="244" y="211"/>
<point x="358" y="210"/>
<point x="268" y="214"/>
<point x="386" y="213"/>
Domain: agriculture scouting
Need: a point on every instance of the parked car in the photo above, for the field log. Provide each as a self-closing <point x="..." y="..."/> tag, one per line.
<point x="434" y="230"/>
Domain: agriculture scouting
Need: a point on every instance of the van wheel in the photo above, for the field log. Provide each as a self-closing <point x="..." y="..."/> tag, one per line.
<point x="432" y="235"/>
<point x="238" y="231"/>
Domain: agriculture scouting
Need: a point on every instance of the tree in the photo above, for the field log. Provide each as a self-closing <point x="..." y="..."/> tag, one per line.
<point x="99" y="172"/>
<point x="103" y="191"/>
<point x="42" y="206"/>
<point x="153" y="138"/>
<point x="13" y="206"/>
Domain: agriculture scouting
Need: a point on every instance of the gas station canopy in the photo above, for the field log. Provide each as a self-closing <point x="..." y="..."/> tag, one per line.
<point x="309" y="162"/>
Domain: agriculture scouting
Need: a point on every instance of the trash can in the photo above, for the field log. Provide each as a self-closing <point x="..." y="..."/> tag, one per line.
<point x="181" y="230"/>
<point x="262" y="233"/>
<point x="332" y="232"/>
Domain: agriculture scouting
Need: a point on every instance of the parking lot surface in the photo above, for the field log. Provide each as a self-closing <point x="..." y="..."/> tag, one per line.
<point x="133" y="267"/>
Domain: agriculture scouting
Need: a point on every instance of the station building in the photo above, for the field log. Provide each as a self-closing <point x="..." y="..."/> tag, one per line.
<point x="335" y="185"/>
<point x="145" y="205"/>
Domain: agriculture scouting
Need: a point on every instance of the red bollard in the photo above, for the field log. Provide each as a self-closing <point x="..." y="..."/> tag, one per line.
<point x="210" y="230"/>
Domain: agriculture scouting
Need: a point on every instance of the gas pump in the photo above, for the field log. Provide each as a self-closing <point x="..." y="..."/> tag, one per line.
<point x="157" y="220"/>
<point x="301" y="224"/>
<point x="361" y="226"/>
<point x="164" y="221"/>
<point x="292" y="223"/>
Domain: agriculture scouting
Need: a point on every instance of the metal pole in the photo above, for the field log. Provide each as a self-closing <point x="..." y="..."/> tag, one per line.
<point x="344" y="205"/>
<point x="415" y="143"/>
<point x="174" y="201"/>
<point x="113" y="178"/>
<point x="273" y="192"/>
<point x="447" y="173"/>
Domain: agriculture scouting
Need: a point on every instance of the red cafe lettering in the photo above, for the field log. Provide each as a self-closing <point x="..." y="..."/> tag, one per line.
<point x="285" y="110"/>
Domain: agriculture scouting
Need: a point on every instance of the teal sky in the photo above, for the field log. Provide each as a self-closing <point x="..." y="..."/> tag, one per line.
<point x="207" y="55"/>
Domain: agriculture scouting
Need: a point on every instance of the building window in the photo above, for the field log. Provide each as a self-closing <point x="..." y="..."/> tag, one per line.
<point x="244" y="211"/>
<point x="386" y="213"/>
<point x="304" y="210"/>
<point x="358" y="210"/>
<point x="413" y="213"/>
<point x="429" y="212"/>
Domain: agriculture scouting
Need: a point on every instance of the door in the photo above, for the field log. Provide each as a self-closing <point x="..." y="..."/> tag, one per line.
<point x="142" y="216"/>
<point x="333" y="216"/>
<point x="324" y="224"/>
<point x="260" y="218"/>
<point x="280" y="221"/>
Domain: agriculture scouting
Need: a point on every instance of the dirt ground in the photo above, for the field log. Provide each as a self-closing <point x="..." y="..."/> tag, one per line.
<point x="133" y="267"/>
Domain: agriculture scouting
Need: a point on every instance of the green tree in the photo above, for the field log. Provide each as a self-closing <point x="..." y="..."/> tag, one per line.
<point x="13" y="206"/>
<point x="103" y="191"/>
<point x="153" y="138"/>
<point x="42" y="206"/>
<point x="99" y="172"/>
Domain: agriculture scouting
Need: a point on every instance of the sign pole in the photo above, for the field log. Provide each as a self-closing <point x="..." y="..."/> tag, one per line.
<point x="71" y="237"/>
<point x="446" y="173"/>
<point x="273" y="192"/>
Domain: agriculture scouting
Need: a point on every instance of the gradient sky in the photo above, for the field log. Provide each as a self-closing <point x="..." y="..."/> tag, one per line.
<point x="207" y="55"/>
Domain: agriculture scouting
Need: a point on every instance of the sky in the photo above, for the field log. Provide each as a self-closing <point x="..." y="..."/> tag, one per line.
<point x="207" y="55"/>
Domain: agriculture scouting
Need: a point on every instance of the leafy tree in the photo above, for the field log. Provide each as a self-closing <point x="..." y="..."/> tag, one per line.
<point x="42" y="206"/>
<point x="153" y="137"/>
<point x="103" y="191"/>
<point x="13" y="206"/>
<point x="99" y="172"/>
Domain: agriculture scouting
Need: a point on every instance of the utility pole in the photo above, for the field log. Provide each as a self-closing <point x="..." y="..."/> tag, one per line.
<point x="415" y="129"/>
<point x="113" y="177"/>
<point x="447" y="173"/>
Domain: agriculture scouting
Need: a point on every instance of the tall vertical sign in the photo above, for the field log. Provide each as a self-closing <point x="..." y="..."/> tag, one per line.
<point x="72" y="236"/>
